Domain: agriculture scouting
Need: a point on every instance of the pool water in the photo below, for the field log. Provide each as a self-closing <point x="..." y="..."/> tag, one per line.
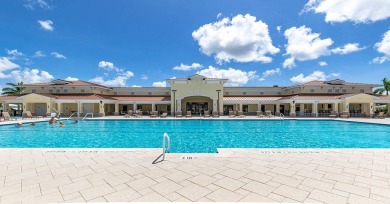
<point x="198" y="135"/>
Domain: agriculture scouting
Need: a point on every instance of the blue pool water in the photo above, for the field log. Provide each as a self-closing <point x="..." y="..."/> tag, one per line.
<point x="199" y="135"/>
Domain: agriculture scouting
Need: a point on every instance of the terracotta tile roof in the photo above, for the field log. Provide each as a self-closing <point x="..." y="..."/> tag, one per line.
<point x="70" y="83"/>
<point x="9" y="97"/>
<point x="82" y="97"/>
<point x="142" y="98"/>
<point x="312" y="97"/>
<point x="324" y="83"/>
<point x="251" y="98"/>
<point x="383" y="97"/>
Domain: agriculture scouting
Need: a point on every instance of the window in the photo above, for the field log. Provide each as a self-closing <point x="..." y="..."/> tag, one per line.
<point x="166" y="93"/>
<point x="261" y="93"/>
<point x="329" y="106"/>
<point x="245" y="108"/>
<point x="361" y="90"/>
<point x="132" y="93"/>
<point x="243" y="93"/>
<point x="279" y="93"/>
<point x="329" y="90"/>
<point x="337" y="90"/>
<point x="292" y="92"/>
<point x="139" y="107"/>
<point x="50" y="91"/>
<point x="82" y="91"/>
<point x="58" y="91"/>
<point x="149" y="93"/>
<point x="33" y="91"/>
<point x="311" y="90"/>
<point x="226" y="93"/>
<point x="115" y="93"/>
<point x="65" y="90"/>
<point x="344" y="90"/>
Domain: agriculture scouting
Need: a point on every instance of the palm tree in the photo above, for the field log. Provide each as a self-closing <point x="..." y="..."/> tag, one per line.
<point x="13" y="89"/>
<point x="386" y="87"/>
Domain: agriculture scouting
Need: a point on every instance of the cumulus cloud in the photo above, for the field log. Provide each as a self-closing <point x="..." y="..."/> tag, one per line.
<point x="135" y="86"/>
<point x="242" y="39"/>
<point x="71" y="79"/>
<point x="58" y="55"/>
<point x="46" y="25"/>
<point x="347" y="48"/>
<point x="118" y="81"/>
<point x="109" y="66"/>
<point x="38" y="54"/>
<point x="159" y="84"/>
<point x="279" y="28"/>
<point x="184" y="67"/>
<point x="304" y="45"/>
<point x="6" y="64"/>
<point x="383" y="47"/>
<point x="357" y="11"/>
<point x="31" y="4"/>
<point x="219" y="15"/>
<point x="322" y="63"/>
<point x="235" y="77"/>
<point x="14" y="53"/>
<point x="270" y="72"/>
<point x="31" y="76"/>
<point x="316" y="75"/>
<point x="144" y="77"/>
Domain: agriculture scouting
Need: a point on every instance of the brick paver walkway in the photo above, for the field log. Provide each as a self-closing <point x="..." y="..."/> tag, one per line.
<point x="261" y="175"/>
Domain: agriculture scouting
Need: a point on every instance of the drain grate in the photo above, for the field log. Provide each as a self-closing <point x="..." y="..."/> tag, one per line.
<point x="189" y="157"/>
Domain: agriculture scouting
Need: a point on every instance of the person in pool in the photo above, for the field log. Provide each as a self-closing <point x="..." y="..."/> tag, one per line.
<point x="61" y="124"/>
<point x="33" y="124"/>
<point x="76" y="121"/>
<point x="52" y="120"/>
<point x="18" y="125"/>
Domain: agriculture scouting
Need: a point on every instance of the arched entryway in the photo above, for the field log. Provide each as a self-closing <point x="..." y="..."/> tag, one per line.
<point x="196" y="104"/>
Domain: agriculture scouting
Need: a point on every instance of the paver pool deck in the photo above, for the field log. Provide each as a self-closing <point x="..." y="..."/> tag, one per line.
<point x="34" y="175"/>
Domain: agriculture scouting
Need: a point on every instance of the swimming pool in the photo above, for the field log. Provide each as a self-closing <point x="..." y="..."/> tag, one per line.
<point x="198" y="135"/>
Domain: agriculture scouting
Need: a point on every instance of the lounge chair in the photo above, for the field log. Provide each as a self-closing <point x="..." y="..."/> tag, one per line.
<point x="231" y="114"/>
<point x="269" y="114"/>
<point x="28" y="115"/>
<point x="215" y="114"/>
<point x="130" y="113"/>
<point x="188" y="115"/>
<point x="138" y="115"/>
<point x="179" y="114"/>
<point x="240" y="114"/>
<point x="333" y="114"/>
<point x="153" y="114"/>
<point x="344" y="114"/>
<point x="164" y="115"/>
<point x="6" y="116"/>
<point x="259" y="114"/>
<point x="206" y="114"/>
<point x="381" y="115"/>
<point x="126" y="116"/>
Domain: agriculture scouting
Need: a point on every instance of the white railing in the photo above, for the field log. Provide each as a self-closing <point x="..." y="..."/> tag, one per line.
<point x="87" y="115"/>
<point x="164" y="148"/>
<point x="72" y="115"/>
<point x="282" y="116"/>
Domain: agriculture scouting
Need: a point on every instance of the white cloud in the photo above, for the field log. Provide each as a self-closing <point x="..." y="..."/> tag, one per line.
<point x="160" y="84"/>
<point x="118" y="81"/>
<point x="58" y="55"/>
<point x="242" y="39"/>
<point x="39" y="54"/>
<point x="14" y="52"/>
<point x="270" y="72"/>
<point x="235" y="77"/>
<point x="219" y="15"/>
<point x="322" y="63"/>
<point x="279" y="28"/>
<point x="135" y="86"/>
<point x="144" y="77"/>
<point x="31" y="4"/>
<point x="316" y="75"/>
<point x="128" y="74"/>
<point x="304" y="45"/>
<point x="6" y="64"/>
<point x="334" y="74"/>
<point x="383" y="47"/>
<point x="347" y="48"/>
<point x="358" y="11"/>
<point x="47" y="25"/>
<point x="31" y="76"/>
<point x="71" y="79"/>
<point x="184" y="67"/>
<point x="109" y="66"/>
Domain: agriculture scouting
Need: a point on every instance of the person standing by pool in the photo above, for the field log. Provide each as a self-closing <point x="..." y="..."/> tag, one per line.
<point x="1" y="113"/>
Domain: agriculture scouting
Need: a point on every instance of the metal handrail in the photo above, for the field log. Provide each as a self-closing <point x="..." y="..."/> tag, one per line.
<point x="87" y="115"/>
<point x="164" y="148"/>
<point x="282" y="115"/>
<point x="72" y="115"/>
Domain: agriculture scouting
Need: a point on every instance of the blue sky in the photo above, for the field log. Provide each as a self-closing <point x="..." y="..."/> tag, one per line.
<point x="142" y="43"/>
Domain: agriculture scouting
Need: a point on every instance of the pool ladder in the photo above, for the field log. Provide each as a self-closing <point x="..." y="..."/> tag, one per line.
<point x="166" y="140"/>
<point x="87" y="115"/>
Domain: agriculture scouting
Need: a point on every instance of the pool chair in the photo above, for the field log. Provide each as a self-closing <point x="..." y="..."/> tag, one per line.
<point x="259" y="114"/>
<point x="138" y="115"/>
<point x="188" y="115"/>
<point x="333" y="114"/>
<point x="126" y="116"/>
<point x="6" y="116"/>
<point x="269" y="114"/>
<point x="153" y="114"/>
<point x="164" y="115"/>
<point x="206" y="114"/>
<point x="344" y="114"/>
<point x="130" y="113"/>
<point x="381" y="115"/>
<point x="240" y="114"/>
<point x="232" y="114"/>
<point x="215" y="114"/>
<point x="179" y="114"/>
<point x="28" y="115"/>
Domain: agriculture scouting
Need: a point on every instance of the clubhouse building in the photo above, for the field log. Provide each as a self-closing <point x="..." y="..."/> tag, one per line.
<point x="196" y="93"/>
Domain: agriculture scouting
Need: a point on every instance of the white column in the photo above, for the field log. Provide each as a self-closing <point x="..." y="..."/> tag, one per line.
<point x="101" y="110"/>
<point x="292" y="110"/>
<point x="301" y="109"/>
<point x="315" y="109"/>
<point x="59" y="108"/>
<point x="153" y="107"/>
<point x="346" y="107"/>
<point x="240" y="107"/>
<point x="372" y="108"/>
<point x="215" y="104"/>
<point x="116" y="111"/>
<point x="78" y="109"/>
<point x="259" y="107"/>
<point x="134" y="107"/>
<point x="336" y="107"/>
<point x="388" y="109"/>
<point x="178" y="104"/>
<point x="277" y="109"/>
<point x="48" y="110"/>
